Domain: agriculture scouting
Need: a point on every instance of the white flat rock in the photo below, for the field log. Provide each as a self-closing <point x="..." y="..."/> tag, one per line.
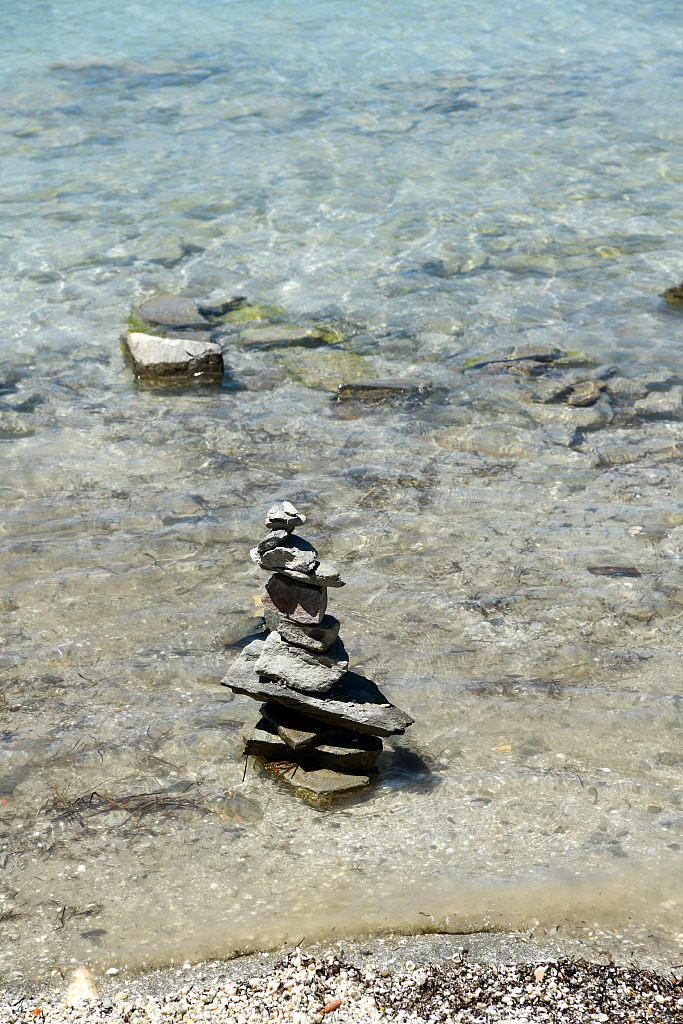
<point x="152" y="356"/>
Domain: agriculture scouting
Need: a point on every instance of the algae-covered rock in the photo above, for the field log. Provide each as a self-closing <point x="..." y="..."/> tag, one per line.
<point x="674" y="295"/>
<point x="284" y="335"/>
<point x="136" y="325"/>
<point x="253" y="311"/>
<point x="326" y="368"/>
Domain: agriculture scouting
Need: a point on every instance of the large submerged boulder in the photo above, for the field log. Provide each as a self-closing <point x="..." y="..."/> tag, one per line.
<point x="164" y="311"/>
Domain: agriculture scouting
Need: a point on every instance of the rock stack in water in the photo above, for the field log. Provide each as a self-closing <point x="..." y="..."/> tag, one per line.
<point x="321" y="725"/>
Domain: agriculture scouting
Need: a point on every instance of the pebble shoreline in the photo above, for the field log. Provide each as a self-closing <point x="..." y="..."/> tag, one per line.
<point x="303" y="989"/>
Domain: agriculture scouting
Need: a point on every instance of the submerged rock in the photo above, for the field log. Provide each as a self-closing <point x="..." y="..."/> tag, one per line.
<point x="674" y="295"/>
<point x="578" y="393"/>
<point x="624" y="391"/>
<point x="231" y="806"/>
<point x="586" y="392"/>
<point x="661" y="403"/>
<point x="321" y="782"/>
<point x="283" y="335"/>
<point x="221" y="310"/>
<point x="326" y="368"/>
<point x="516" y="354"/>
<point x="613" y="571"/>
<point x="171" y="311"/>
<point x="163" y="310"/>
<point x="154" y="357"/>
<point x="247" y="312"/>
<point x="381" y="390"/>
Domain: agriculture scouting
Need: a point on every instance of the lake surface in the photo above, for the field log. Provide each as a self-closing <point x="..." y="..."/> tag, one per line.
<point x="438" y="184"/>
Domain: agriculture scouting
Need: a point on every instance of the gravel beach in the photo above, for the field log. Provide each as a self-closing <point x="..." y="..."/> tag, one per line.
<point x="309" y="987"/>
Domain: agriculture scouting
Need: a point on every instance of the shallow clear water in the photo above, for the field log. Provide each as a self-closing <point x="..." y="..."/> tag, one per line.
<point x="439" y="182"/>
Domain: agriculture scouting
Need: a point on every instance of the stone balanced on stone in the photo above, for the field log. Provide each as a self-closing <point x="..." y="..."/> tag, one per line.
<point x="321" y="724"/>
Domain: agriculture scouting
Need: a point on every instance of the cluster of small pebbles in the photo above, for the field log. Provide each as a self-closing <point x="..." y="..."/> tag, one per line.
<point x="305" y="990"/>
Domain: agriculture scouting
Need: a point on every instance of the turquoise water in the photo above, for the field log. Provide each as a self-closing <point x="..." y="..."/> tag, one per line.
<point x="437" y="182"/>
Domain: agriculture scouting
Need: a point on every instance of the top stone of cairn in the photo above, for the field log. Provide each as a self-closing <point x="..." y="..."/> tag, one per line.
<point x="284" y="516"/>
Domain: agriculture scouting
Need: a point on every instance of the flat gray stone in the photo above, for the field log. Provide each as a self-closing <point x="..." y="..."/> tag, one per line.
<point x="154" y="357"/>
<point x="323" y="783"/>
<point x="284" y="516"/>
<point x="313" y="638"/>
<point x="324" y="575"/>
<point x="274" y="538"/>
<point x="661" y="403"/>
<point x="171" y="310"/>
<point x="299" y="668"/>
<point x="354" y="702"/>
<point x="293" y="554"/>
<point x="298" y="601"/>
<point x="352" y="752"/>
<point x="261" y="740"/>
<point x="298" y="730"/>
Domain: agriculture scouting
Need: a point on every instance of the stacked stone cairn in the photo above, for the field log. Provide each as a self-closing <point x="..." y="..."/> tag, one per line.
<point x="321" y="725"/>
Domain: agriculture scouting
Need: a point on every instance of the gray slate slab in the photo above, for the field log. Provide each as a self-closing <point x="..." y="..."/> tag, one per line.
<point x="354" y="702"/>
<point x="298" y="730"/>
<point x="294" y="554"/>
<point x="325" y="575"/>
<point x="299" y="668"/>
<point x="263" y="741"/>
<point x="314" y="638"/>
<point x="323" y="783"/>
<point x="272" y="540"/>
